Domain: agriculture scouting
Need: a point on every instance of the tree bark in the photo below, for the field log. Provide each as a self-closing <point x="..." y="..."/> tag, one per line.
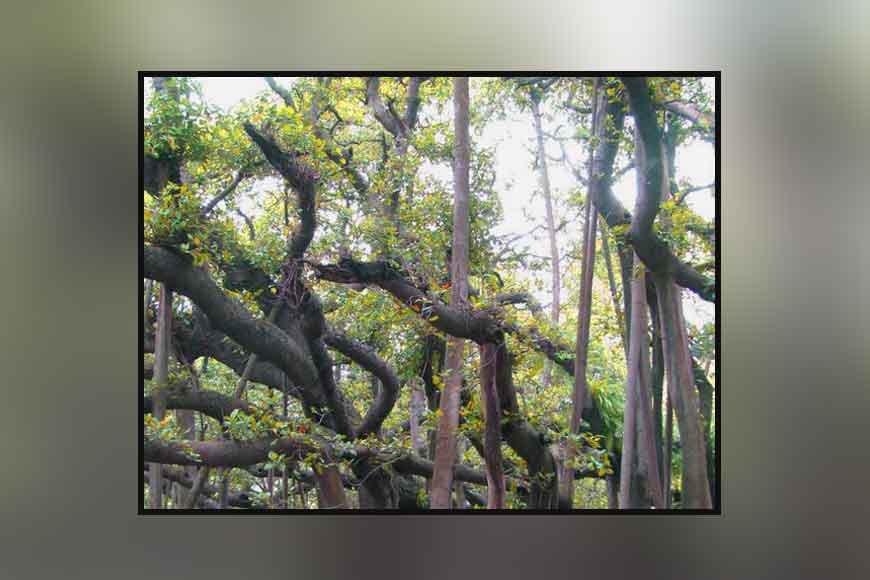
<point x="330" y="491"/>
<point x="555" y="283"/>
<point x="705" y="396"/>
<point x="653" y="184"/>
<point x="198" y="484"/>
<point x="492" y="428"/>
<point x="657" y="382"/>
<point x="416" y="409"/>
<point x="584" y="314"/>
<point x="629" y="430"/>
<point x="681" y="390"/>
<point x="668" y="451"/>
<point x="162" y="347"/>
<point x="445" y="451"/>
<point x="648" y="466"/>
<point x="605" y="249"/>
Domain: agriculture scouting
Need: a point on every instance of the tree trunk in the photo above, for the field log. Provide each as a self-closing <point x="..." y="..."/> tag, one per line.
<point x="681" y="390"/>
<point x="584" y="314"/>
<point x="648" y="465"/>
<point x="668" y="451"/>
<point x="629" y="430"/>
<point x="417" y="407"/>
<point x="653" y="185"/>
<point x="492" y="422"/>
<point x="556" y="284"/>
<point x="657" y="382"/>
<point x="162" y="347"/>
<point x="330" y="490"/>
<point x="705" y="396"/>
<point x="445" y="451"/>
<point x="198" y="484"/>
<point x="605" y="249"/>
<point x="224" y="498"/>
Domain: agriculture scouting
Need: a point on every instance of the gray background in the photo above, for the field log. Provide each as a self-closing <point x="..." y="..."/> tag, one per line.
<point x="794" y="305"/>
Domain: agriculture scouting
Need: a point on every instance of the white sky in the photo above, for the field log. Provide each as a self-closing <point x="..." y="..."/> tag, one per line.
<point x="514" y="139"/>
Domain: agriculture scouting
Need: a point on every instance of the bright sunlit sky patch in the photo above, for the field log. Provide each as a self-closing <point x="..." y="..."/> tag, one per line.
<point x="514" y="140"/>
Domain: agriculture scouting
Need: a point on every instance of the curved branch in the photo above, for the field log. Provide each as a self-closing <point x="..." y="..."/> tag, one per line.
<point x="520" y="298"/>
<point x="204" y="341"/>
<point x="475" y="325"/>
<point x="281" y="92"/>
<point x="370" y="361"/>
<point x="301" y="178"/>
<point x="696" y="116"/>
<point x="649" y="197"/>
<point x="237" y="179"/>
<point x="210" y="403"/>
<point x="239" y="454"/>
<point x="385" y="117"/>
<point x="222" y="453"/>
<point x="651" y="249"/>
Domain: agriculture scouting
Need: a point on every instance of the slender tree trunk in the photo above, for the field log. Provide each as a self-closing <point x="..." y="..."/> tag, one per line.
<point x="417" y="406"/>
<point x="198" y="484"/>
<point x="149" y="290"/>
<point x="492" y="435"/>
<point x="252" y="358"/>
<point x="668" y="451"/>
<point x="162" y="348"/>
<point x="584" y="314"/>
<point x="612" y="492"/>
<point x="646" y="444"/>
<point x="300" y="489"/>
<point x="681" y="389"/>
<point x="459" y="500"/>
<point x="224" y="496"/>
<point x="629" y="430"/>
<point x="657" y="380"/>
<point x="705" y="396"/>
<point x="284" y="476"/>
<point x="605" y="249"/>
<point x="187" y="426"/>
<point x="445" y="451"/>
<point x="555" y="284"/>
<point x="330" y="491"/>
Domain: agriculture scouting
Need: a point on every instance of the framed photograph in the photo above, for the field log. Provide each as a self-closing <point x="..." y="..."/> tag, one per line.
<point x="417" y="292"/>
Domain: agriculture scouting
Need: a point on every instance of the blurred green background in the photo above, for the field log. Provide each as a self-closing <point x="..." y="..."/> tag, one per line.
<point x="796" y="116"/>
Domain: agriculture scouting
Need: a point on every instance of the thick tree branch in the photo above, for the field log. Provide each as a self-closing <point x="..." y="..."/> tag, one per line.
<point x="303" y="179"/>
<point x="385" y="117"/>
<point x="239" y="454"/>
<point x="229" y="316"/>
<point x="647" y="206"/>
<point x="690" y="112"/>
<point x="370" y="361"/>
<point x="285" y="94"/>
<point x="207" y="402"/>
<point x="412" y="102"/>
<point x="652" y="250"/>
<point x="474" y="325"/>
